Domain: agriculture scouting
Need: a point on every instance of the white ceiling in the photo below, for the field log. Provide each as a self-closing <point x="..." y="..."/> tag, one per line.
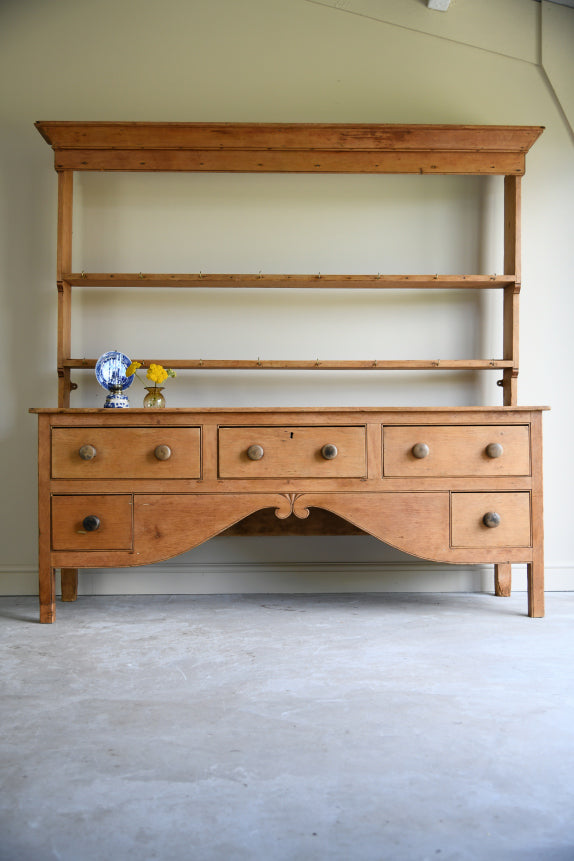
<point x="444" y="4"/>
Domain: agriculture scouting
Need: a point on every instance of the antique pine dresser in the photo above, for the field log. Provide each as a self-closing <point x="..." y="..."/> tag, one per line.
<point x="128" y="487"/>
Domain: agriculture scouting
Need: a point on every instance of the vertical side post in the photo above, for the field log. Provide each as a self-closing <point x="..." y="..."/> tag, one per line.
<point x="64" y="265"/>
<point x="510" y="345"/>
<point x="69" y="576"/>
<point x="512" y="266"/>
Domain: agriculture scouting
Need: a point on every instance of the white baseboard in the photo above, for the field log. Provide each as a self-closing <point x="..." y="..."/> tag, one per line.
<point x="205" y="578"/>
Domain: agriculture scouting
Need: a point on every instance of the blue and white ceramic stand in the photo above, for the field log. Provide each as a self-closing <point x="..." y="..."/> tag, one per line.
<point x="111" y="375"/>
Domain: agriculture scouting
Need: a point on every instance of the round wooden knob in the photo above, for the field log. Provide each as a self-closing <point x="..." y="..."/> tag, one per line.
<point x="91" y="523"/>
<point x="420" y="450"/>
<point x="491" y="519"/>
<point x="255" y="452"/>
<point x="87" y="452"/>
<point x="494" y="449"/>
<point x="329" y="451"/>
<point x="162" y="452"/>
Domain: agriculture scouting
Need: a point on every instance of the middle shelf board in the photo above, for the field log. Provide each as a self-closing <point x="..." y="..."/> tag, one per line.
<point x="314" y="281"/>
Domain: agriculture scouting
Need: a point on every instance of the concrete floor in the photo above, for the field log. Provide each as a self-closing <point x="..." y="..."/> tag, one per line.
<point x="347" y="728"/>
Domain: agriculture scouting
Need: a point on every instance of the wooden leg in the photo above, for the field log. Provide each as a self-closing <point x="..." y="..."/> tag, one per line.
<point x="47" y="594"/>
<point x="502" y="579"/>
<point x="535" y="574"/>
<point x="69" y="582"/>
<point x="535" y="569"/>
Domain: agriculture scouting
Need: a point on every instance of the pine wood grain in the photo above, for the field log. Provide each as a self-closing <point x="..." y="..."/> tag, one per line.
<point x="457" y="451"/>
<point x="313" y="281"/>
<point x="292" y="451"/>
<point x="468" y="529"/>
<point x="503" y="579"/>
<point x="312" y="148"/>
<point x="126" y="453"/>
<point x="316" y="364"/>
<point x="113" y="510"/>
<point x="153" y="509"/>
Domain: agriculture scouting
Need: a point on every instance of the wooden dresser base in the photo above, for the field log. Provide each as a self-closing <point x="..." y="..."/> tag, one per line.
<point x="450" y="485"/>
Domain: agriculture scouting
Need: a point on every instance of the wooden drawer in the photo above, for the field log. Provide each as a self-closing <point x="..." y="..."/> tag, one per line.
<point x="456" y="451"/>
<point x="468" y="511"/>
<point x="126" y="452"/>
<point x="113" y="529"/>
<point x="292" y="452"/>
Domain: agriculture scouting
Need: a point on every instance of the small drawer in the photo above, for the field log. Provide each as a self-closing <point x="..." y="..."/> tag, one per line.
<point x="92" y="522"/>
<point x="490" y="520"/>
<point x="285" y="452"/>
<point x="120" y="452"/>
<point x="456" y="451"/>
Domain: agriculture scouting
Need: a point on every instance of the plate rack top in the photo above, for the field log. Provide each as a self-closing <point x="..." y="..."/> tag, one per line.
<point x="289" y="147"/>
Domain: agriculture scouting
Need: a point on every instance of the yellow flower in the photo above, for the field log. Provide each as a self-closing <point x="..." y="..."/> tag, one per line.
<point x="131" y="369"/>
<point x="157" y="374"/>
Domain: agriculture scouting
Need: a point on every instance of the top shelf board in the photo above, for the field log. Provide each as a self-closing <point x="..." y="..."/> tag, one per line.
<point x="289" y="147"/>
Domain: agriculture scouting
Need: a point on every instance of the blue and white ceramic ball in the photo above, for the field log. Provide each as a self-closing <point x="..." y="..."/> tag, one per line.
<point x="111" y="375"/>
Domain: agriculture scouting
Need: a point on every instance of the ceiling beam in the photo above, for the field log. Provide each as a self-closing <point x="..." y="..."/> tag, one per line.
<point x="569" y="3"/>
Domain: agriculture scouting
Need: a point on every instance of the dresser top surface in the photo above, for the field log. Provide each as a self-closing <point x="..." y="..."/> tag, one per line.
<point x="499" y="410"/>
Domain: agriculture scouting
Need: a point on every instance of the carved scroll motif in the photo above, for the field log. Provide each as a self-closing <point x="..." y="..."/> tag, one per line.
<point x="291" y="506"/>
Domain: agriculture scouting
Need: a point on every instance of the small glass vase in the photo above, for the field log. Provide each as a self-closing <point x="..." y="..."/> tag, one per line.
<point x="154" y="399"/>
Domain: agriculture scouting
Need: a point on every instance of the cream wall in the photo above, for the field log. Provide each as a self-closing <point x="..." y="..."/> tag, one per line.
<point x="300" y="61"/>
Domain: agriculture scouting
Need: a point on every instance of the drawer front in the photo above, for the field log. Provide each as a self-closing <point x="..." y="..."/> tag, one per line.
<point x="109" y="524"/>
<point x="508" y="514"/>
<point x="114" y="452"/>
<point x="457" y="451"/>
<point x="299" y="452"/>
